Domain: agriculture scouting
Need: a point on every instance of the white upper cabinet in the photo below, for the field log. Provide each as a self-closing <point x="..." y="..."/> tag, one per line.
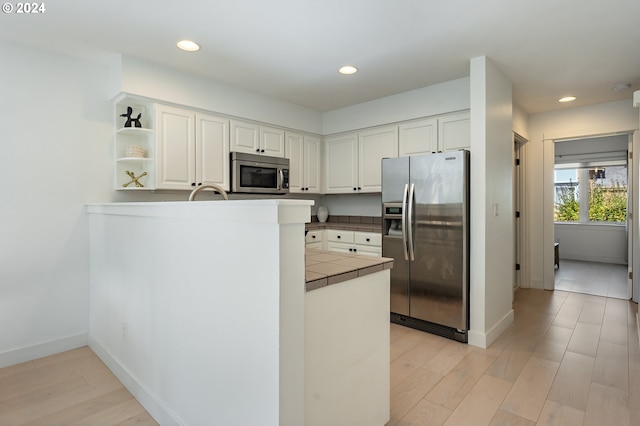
<point x="312" y="164"/>
<point x="192" y="149"/>
<point x="373" y="146"/>
<point x="454" y="131"/>
<point x="418" y="137"/>
<point x="294" y="151"/>
<point x="271" y="141"/>
<point x="175" y="147"/>
<point x="212" y="150"/>
<point x="450" y="132"/>
<point x="354" y="160"/>
<point x="304" y="154"/>
<point x="256" y="139"/>
<point x="245" y="137"/>
<point x="341" y="164"/>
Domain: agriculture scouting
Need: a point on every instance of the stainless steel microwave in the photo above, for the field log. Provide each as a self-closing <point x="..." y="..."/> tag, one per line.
<point x="259" y="174"/>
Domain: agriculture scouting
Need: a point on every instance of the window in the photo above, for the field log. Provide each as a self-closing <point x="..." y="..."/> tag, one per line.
<point x="591" y="194"/>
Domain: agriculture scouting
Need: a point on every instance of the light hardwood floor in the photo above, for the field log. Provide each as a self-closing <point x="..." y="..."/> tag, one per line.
<point x="568" y="359"/>
<point x="70" y="388"/>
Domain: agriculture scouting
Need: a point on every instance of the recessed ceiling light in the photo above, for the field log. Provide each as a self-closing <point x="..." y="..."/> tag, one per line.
<point x="188" y="45"/>
<point x="348" y="69"/>
<point x="567" y="99"/>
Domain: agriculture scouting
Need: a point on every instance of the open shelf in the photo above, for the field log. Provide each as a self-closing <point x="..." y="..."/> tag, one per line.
<point x="124" y="137"/>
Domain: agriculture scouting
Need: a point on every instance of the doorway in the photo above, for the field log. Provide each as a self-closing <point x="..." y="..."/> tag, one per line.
<point x="592" y="193"/>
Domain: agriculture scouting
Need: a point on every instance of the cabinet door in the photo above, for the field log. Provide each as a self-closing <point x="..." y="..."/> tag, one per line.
<point x="315" y="239"/>
<point x="340" y="247"/>
<point x="271" y="141"/>
<point x="312" y="164"/>
<point x="341" y="162"/>
<point x="294" y="151"/>
<point x="373" y="239"/>
<point x="368" y="250"/>
<point x="245" y="137"/>
<point x="454" y="132"/>
<point x="212" y="150"/>
<point x="175" y="148"/>
<point x="374" y="145"/>
<point x="339" y="236"/>
<point x="418" y="137"/>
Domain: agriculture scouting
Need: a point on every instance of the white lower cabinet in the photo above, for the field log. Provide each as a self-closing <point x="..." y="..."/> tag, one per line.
<point x="315" y="239"/>
<point x="367" y="243"/>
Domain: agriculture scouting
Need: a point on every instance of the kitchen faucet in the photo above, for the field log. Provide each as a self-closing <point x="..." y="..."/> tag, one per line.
<point x="213" y="186"/>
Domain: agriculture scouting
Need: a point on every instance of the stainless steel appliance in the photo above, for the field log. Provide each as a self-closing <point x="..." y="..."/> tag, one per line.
<point x="425" y="208"/>
<point x="259" y="174"/>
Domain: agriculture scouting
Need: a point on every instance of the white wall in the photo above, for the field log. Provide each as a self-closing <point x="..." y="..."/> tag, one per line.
<point x="600" y="119"/>
<point x="520" y="122"/>
<point x="56" y="130"/>
<point x="592" y="242"/>
<point x="141" y="78"/>
<point x="432" y="100"/>
<point x="492" y="257"/>
<point x="353" y="205"/>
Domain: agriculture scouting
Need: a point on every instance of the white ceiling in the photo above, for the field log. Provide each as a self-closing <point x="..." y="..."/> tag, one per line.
<point x="291" y="49"/>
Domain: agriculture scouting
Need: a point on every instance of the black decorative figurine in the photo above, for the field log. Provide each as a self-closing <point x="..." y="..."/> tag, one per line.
<point x="135" y="121"/>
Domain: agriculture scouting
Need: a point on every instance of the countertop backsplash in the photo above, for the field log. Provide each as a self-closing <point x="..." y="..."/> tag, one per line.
<point x="349" y="223"/>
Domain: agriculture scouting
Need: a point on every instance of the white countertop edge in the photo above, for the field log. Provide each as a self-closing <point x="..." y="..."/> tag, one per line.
<point x="252" y="211"/>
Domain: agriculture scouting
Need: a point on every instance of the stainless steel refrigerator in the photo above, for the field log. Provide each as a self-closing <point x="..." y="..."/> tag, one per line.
<point x="425" y="212"/>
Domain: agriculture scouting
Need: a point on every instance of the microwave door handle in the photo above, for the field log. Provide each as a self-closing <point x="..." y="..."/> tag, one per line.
<point x="404" y="222"/>
<point x="281" y="173"/>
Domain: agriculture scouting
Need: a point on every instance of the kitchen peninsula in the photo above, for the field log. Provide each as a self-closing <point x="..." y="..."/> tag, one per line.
<point x="200" y="309"/>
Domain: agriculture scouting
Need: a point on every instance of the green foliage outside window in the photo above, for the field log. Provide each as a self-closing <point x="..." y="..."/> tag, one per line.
<point x="567" y="207"/>
<point x="606" y="203"/>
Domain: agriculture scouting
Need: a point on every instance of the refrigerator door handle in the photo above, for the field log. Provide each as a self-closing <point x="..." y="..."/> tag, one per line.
<point x="404" y="222"/>
<point x="410" y="221"/>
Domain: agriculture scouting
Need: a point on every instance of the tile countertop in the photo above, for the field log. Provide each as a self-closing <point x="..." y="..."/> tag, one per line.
<point x="328" y="267"/>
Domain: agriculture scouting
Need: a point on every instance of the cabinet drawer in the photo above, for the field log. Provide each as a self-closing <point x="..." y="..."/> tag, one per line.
<point x="314" y="236"/>
<point x="340" y="247"/>
<point x="368" y="250"/>
<point x="368" y="238"/>
<point x="340" y="236"/>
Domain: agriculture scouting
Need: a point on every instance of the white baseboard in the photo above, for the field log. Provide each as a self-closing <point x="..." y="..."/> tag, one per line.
<point x="148" y="400"/>
<point x="484" y="340"/>
<point x="593" y="258"/>
<point x="29" y="353"/>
